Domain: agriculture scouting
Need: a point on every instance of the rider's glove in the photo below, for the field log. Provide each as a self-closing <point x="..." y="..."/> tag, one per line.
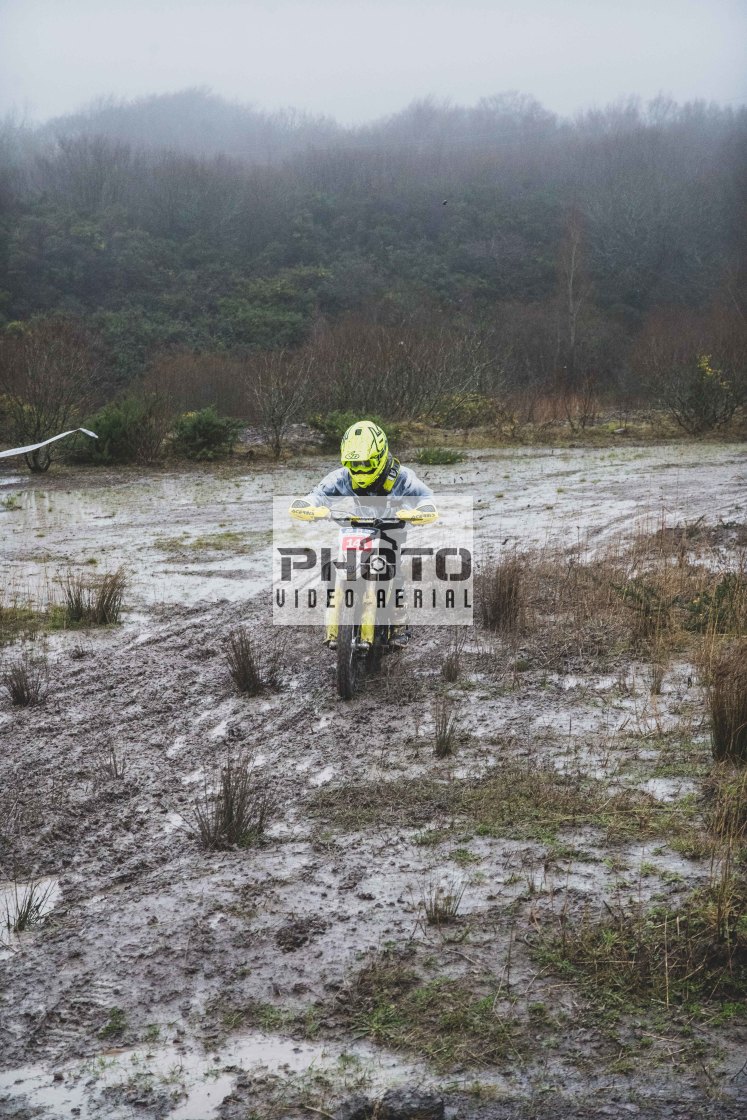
<point x="303" y="510"/>
<point x="424" y="514"/>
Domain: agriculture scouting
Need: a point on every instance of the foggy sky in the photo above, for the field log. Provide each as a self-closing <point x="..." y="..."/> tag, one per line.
<point x="357" y="60"/>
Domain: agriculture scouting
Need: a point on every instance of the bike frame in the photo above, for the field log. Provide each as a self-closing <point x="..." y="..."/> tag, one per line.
<point x="368" y="531"/>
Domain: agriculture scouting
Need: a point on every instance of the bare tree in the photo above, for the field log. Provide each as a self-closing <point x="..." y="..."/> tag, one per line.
<point x="279" y="386"/>
<point x="48" y="379"/>
<point x="403" y="370"/>
<point x="574" y="291"/>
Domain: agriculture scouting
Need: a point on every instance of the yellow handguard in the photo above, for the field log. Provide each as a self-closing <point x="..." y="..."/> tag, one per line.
<point x="303" y="510"/>
<point x="424" y="514"/>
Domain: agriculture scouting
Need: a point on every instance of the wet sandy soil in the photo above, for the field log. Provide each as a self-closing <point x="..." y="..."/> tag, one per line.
<point x="163" y="978"/>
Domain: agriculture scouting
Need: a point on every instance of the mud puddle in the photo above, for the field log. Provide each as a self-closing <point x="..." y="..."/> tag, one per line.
<point x="24" y="904"/>
<point x="182" y="539"/>
<point x="186" y="1085"/>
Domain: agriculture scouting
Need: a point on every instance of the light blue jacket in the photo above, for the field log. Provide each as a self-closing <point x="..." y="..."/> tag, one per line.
<point x="337" y="484"/>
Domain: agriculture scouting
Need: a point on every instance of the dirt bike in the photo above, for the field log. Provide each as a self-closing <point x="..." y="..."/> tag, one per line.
<point x="361" y="641"/>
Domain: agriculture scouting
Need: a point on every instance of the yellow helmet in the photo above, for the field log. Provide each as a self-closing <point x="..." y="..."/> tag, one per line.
<point x="364" y="451"/>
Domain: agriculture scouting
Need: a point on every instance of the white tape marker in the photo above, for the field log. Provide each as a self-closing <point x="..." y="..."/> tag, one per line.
<point x="44" y="442"/>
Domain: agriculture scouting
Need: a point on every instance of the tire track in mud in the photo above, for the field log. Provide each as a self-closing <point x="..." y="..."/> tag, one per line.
<point x="60" y="1027"/>
<point x="112" y="868"/>
<point x="132" y="713"/>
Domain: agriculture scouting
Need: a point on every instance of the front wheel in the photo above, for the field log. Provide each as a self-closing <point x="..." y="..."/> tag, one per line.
<point x="346" y="661"/>
<point x="376" y="652"/>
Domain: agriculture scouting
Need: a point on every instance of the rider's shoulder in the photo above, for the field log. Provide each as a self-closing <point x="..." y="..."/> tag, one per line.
<point x="406" y="474"/>
<point x="339" y="478"/>
<point x="408" y="480"/>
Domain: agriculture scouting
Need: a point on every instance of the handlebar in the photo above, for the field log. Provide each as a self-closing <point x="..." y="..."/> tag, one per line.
<point x="366" y="522"/>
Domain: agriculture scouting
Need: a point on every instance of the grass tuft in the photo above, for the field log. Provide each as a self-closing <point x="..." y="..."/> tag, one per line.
<point x="500" y="591"/>
<point x="531" y="800"/>
<point x="93" y="600"/>
<point x="114" y="765"/>
<point x="451" y="668"/>
<point x="452" y="1023"/>
<point x="696" y="951"/>
<point x="437" y="457"/>
<point x="26" y="680"/>
<point x="115" y="1025"/>
<point x="254" y="669"/>
<point x="26" y="907"/>
<point x="441" y="902"/>
<point x="236" y="813"/>
<point x="18" y="621"/>
<point x="446" y="728"/>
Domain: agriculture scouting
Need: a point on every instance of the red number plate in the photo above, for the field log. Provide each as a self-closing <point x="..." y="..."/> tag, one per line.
<point x="356" y="541"/>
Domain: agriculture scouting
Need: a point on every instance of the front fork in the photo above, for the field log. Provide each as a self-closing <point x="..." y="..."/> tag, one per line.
<point x="366" y="618"/>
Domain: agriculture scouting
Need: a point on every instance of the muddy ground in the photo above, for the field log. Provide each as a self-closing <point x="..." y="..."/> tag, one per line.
<point x="167" y="981"/>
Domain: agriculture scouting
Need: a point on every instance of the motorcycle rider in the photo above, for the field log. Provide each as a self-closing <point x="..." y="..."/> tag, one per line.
<point x="370" y="470"/>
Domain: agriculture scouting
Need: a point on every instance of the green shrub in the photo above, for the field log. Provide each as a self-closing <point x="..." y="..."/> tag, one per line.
<point x="130" y="430"/>
<point x="205" y="434"/>
<point x="333" y="425"/>
<point x="721" y="608"/>
<point x="699" y="399"/>
<point x="437" y="456"/>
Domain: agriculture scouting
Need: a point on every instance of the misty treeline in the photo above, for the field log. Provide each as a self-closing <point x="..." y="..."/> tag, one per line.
<point x="231" y="257"/>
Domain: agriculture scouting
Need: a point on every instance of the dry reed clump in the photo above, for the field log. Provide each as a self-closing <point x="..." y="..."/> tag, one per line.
<point x="632" y="596"/>
<point x="451" y="667"/>
<point x="442" y="901"/>
<point x="726" y="820"/>
<point x="26" y="679"/>
<point x="93" y="600"/>
<point x="446" y="728"/>
<point x="727" y="701"/>
<point x="693" y="590"/>
<point x="499" y="589"/>
<point x="236" y="813"/>
<point x="573" y="610"/>
<point x="254" y="667"/>
<point x="725" y="792"/>
<point x="692" y="536"/>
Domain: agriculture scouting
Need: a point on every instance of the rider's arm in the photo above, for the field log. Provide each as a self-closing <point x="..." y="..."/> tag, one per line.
<point x="336" y="484"/>
<point x="315" y="504"/>
<point x="415" y="498"/>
